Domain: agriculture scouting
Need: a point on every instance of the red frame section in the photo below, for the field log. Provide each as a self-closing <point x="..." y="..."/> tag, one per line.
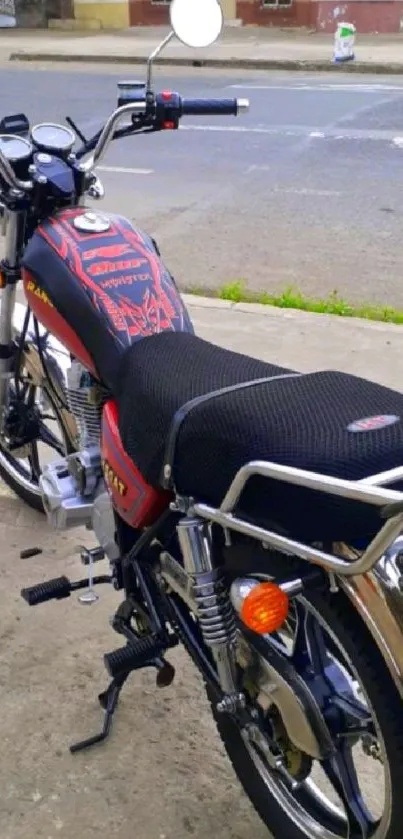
<point x="136" y="502"/>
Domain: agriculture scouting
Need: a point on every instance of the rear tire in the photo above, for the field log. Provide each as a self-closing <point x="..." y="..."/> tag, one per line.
<point x="386" y="706"/>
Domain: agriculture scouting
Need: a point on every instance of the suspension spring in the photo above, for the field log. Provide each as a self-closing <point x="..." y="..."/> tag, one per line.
<point x="210" y="593"/>
<point x="214" y="609"/>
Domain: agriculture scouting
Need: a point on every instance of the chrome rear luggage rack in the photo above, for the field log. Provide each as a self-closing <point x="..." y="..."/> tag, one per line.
<point x="373" y="491"/>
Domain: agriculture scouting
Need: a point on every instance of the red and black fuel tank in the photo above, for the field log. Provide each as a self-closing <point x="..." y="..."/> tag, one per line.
<point x="98" y="292"/>
<point x="136" y="502"/>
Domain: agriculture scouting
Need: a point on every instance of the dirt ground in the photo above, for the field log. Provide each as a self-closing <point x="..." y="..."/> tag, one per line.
<point x="162" y="775"/>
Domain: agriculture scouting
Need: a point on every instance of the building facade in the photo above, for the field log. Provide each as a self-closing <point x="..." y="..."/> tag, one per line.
<point x="368" y="15"/>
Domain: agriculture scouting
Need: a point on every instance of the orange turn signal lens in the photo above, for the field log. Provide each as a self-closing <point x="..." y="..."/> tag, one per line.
<point x="2" y="280"/>
<point x="265" y="608"/>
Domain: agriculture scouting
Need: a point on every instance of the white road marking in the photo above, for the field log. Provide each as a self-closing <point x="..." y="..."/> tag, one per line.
<point x="125" y="170"/>
<point x="398" y="141"/>
<point x="235" y="129"/>
<point x="337" y="88"/>
<point x="255" y="167"/>
<point x="326" y="193"/>
<point x="358" y="134"/>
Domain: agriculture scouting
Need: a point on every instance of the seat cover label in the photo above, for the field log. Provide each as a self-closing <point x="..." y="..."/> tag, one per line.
<point x="373" y="423"/>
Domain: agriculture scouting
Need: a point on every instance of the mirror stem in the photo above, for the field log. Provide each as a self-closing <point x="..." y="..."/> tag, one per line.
<point x="155" y="55"/>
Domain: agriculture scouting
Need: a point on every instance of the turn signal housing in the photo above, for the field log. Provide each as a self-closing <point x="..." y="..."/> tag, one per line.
<point x="265" y="608"/>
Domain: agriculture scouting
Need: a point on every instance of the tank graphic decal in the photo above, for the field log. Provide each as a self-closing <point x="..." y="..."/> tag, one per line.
<point x="122" y="274"/>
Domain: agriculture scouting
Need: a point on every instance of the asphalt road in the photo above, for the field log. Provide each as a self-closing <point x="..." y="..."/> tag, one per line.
<point x="306" y="190"/>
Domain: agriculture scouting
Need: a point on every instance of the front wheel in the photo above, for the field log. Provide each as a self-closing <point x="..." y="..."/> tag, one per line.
<point x="358" y="793"/>
<point x="33" y="435"/>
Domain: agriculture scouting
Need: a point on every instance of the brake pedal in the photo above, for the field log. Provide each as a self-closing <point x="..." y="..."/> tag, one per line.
<point x="56" y="589"/>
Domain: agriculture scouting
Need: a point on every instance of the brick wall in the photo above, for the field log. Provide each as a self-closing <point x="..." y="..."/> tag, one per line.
<point x="145" y="13"/>
<point x="298" y="13"/>
<point x="367" y="15"/>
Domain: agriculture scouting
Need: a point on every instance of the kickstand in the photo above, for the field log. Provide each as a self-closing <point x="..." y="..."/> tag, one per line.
<point x="108" y="700"/>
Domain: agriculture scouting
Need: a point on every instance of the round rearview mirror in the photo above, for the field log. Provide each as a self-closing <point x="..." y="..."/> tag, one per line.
<point x="197" y="23"/>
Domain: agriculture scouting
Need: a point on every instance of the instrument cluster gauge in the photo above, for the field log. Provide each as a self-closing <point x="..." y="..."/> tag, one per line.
<point x="53" y="138"/>
<point x="15" y="148"/>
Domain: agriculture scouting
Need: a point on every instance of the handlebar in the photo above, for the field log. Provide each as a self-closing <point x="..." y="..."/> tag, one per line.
<point x="213" y="107"/>
<point x="131" y="109"/>
<point x="167" y="103"/>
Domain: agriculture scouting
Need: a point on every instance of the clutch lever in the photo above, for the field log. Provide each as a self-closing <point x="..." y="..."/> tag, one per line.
<point x="76" y="130"/>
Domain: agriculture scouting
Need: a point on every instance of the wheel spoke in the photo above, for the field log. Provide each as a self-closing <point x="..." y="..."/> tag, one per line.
<point x="341" y="773"/>
<point x="33" y="459"/>
<point x="46" y="436"/>
<point x="353" y="708"/>
<point x="309" y="643"/>
<point x="300" y="651"/>
<point x="317" y="649"/>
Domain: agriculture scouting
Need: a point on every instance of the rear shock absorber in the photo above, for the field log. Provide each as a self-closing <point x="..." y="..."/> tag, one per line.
<point x="214" y="609"/>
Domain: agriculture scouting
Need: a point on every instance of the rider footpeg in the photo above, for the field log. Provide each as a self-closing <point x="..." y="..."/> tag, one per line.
<point x="134" y="656"/>
<point x="55" y="589"/>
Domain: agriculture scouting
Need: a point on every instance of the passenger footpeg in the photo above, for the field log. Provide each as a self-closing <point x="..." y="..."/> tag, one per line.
<point x="57" y="589"/>
<point x="143" y="652"/>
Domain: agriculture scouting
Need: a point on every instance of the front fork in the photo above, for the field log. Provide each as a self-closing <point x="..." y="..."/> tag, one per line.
<point x="10" y="270"/>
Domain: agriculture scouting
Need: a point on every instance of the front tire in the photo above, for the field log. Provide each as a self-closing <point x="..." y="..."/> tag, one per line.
<point x="386" y="707"/>
<point x="14" y="471"/>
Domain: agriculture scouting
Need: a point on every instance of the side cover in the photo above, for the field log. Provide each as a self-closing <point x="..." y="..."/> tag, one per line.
<point x="134" y="500"/>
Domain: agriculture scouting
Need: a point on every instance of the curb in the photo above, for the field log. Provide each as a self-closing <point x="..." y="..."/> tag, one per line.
<point x="194" y="301"/>
<point x="231" y="63"/>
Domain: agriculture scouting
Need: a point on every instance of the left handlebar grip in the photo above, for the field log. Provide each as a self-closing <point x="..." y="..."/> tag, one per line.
<point x="213" y="107"/>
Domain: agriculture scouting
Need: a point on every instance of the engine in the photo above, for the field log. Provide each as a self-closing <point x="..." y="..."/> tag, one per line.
<point x="73" y="488"/>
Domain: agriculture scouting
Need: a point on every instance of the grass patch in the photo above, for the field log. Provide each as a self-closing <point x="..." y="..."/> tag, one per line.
<point x="291" y="298"/>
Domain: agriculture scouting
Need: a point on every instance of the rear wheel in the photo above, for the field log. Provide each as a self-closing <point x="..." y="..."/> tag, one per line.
<point x="357" y="794"/>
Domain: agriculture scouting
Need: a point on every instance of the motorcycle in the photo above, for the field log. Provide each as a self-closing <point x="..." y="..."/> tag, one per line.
<point x="251" y="513"/>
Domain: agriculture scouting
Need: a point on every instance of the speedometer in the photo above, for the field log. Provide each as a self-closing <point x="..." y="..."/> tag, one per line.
<point x="50" y="137"/>
<point x="15" y="148"/>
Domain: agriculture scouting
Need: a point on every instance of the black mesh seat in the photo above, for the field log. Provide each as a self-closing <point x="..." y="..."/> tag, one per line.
<point x="298" y="420"/>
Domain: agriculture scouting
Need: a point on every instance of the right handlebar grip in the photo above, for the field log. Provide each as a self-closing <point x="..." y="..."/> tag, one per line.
<point x="213" y="107"/>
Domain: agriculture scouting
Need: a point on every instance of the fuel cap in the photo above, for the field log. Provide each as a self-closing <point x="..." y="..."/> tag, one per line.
<point x="91" y="222"/>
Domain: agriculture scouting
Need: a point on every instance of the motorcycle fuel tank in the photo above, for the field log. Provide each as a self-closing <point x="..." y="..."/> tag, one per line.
<point x="98" y="284"/>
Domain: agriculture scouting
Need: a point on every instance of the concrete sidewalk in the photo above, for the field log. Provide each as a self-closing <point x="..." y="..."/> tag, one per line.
<point x="51" y="657"/>
<point x="246" y="47"/>
<point x="303" y="340"/>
